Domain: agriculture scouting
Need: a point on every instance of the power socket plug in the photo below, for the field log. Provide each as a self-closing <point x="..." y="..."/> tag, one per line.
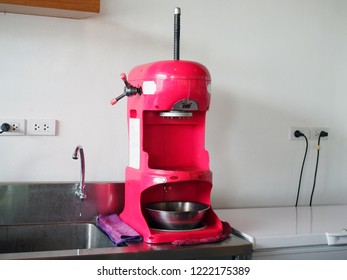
<point x="17" y="127"/>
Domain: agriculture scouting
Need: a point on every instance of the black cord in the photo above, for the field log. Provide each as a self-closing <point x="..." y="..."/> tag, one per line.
<point x="321" y="134"/>
<point x="297" y="133"/>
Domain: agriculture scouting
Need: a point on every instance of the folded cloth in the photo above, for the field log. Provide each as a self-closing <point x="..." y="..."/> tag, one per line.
<point x="226" y="230"/>
<point x="118" y="231"/>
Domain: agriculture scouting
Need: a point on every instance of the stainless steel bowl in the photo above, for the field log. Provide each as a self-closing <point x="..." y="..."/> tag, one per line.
<point x="176" y="215"/>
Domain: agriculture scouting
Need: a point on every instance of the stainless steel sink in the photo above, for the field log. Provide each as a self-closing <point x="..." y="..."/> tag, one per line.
<point x="51" y="237"/>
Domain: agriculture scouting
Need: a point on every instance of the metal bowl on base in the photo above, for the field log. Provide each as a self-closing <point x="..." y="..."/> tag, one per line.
<point x="176" y="215"/>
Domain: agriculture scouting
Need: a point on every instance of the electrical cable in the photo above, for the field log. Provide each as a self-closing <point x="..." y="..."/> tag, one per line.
<point x="321" y="134"/>
<point x="297" y="134"/>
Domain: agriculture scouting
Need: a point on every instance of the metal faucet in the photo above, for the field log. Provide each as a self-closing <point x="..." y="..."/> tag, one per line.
<point x="81" y="187"/>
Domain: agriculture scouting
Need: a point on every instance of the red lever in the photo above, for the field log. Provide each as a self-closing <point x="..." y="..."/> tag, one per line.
<point x="124" y="78"/>
<point x="114" y="101"/>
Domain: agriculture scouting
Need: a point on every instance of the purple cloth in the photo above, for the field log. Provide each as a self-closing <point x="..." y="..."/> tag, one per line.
<point x="226" y="231"/>
<point x="118" y="231"/>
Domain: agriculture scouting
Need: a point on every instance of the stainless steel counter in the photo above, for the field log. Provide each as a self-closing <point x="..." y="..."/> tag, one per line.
<point x="231" y="248"/>
<point x="55" y="203"/>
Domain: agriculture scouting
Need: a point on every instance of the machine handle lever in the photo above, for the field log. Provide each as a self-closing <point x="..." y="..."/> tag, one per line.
<point x="116" y="99"/>
<point x="129" y="90"/>
<point x="124" y="78"/>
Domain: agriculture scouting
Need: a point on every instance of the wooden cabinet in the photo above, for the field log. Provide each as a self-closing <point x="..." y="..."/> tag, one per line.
<point x="57" y="8"/>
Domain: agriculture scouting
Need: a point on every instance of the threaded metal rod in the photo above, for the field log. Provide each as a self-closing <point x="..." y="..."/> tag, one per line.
<point x="177" y="33"/>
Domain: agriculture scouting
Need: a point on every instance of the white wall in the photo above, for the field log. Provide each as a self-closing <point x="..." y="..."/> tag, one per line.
<point x="274" y="64"/>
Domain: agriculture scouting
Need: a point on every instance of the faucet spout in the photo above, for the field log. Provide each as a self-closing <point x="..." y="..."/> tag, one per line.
<point x="81" y="187"/>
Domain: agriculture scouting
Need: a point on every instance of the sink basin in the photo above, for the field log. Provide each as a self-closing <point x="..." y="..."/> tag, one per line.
<point x="51" y="237"/>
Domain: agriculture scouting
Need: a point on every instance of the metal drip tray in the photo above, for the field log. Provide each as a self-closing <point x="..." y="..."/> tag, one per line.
<point x="159" y="228"/>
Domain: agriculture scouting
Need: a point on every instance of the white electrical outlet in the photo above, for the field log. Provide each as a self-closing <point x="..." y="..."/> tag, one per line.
<point x="304" y="130"/>
<point x="315" y="131"/>
<point x="17" y="127"/>
<point x="41" y="127"/>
